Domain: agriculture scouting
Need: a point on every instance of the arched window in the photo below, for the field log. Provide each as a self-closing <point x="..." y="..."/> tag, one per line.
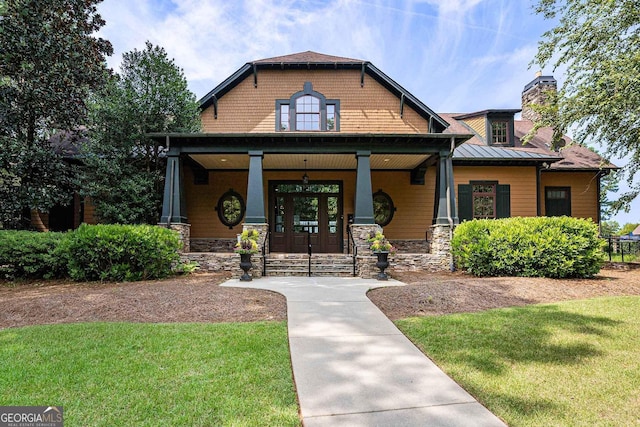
<point x="307" y="111"/>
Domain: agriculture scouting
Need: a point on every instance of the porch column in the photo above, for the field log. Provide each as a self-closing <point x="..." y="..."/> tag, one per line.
<point x="446" y="195"/>
<point x="255" y="190"/>
<point x="174" y="207"/>
<point x="364" y="196"/>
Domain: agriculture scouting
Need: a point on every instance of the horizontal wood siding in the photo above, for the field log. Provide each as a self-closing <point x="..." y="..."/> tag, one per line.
<point x="522" y="180"/>
<point x="584" y="191"/>
<point x="367" y="109"/>
<point x="413" y="203"/>
<point x="202" y="200"/>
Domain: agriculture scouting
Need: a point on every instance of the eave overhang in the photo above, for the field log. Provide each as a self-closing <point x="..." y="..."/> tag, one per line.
<point x="313" y="142"/>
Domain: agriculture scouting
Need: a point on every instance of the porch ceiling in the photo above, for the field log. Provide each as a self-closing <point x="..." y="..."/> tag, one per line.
<point x="314" y="161"/>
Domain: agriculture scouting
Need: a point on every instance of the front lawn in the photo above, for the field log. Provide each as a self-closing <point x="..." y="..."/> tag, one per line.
<point x="109" y="374"/>
<point x="572" y="363"/>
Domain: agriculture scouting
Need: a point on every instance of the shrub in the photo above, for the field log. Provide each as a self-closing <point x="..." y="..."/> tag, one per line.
<point x="555" y="247"/>
<point x="31" y="255"/>
<point x="121" y="252"/>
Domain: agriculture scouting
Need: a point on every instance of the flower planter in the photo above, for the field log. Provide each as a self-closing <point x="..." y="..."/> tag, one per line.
<point x="382" y="264"/>
<point x="245" y="265"/>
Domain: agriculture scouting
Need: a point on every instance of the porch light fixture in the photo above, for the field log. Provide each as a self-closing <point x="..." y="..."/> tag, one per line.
<point x="305" y="177"/>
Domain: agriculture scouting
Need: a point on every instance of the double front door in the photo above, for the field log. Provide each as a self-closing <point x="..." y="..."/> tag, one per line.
<point x="303" y="215"/>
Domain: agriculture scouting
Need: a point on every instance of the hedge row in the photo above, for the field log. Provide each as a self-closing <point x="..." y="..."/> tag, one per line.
<point x="92" y="252"/>
<point x="555" y="247"/>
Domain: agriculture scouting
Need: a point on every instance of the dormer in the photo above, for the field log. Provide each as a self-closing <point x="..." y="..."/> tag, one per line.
<point x="494" y="127"/>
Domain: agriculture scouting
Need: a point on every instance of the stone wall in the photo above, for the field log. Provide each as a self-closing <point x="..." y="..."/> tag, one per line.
<point x="184" y="231"/>
<point x="213" y="245"/>
<point x="212" y="262"/>
<point x="412" y="246"/>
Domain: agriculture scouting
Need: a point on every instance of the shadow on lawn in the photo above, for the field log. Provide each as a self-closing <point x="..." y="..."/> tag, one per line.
<point x="496" y="340"/>
<point x="506" y="336"/>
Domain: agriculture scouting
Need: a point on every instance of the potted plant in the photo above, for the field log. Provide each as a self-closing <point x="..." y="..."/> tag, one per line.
<point x="382" y="248"/>
<point x="247" y="245"/>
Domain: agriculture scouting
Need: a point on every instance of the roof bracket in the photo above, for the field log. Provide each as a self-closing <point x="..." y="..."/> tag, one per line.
<point x="215" y="107"/>
<point x="362" y="74"/>
<point x="418" y="173"/>
<point x="255" y="75"/>
<point x="430" y="130"/>
<point x="401" y="105"/>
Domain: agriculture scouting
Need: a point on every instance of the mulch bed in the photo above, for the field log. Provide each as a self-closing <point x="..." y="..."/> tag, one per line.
<point x="199" y="298"/>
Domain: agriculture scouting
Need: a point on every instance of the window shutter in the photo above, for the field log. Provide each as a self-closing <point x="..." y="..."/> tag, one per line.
<point x="503" y="202"/>
<point x="465" y="202"/>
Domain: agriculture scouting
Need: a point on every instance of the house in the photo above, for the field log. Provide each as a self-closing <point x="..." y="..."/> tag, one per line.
<point x="317" y="151"/>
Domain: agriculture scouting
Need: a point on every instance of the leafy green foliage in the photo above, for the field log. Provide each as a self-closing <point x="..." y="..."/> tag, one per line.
<point x="599" y="43"/>
<point x="29" y="255"/>
<point x="627" y="229"/>
<point x="121" y="252"/>
<point x="609" y="228"/>
<point x="124" y="171"/>
<point x="554" y="247"/>
<point x="49" y="62"/>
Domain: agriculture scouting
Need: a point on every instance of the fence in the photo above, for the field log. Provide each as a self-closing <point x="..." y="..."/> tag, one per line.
<point x="623" y="248"/>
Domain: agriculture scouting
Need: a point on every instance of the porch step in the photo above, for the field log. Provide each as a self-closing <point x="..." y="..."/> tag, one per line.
<point x="298" y="265"/>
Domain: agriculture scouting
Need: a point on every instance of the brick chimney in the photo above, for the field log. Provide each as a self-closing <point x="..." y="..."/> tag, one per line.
<point x="534" y="93"/>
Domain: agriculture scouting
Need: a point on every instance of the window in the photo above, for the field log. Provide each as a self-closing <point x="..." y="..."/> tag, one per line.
<point x="383" y="208"/>
<point x="331" y="117"/>
<point x="284" y="117"/>
<point x="557" y="201"/>
<point x="484" y="200"/>
<point x="230" y="208"/>
<point x="307" y="111"/>
<point x="499" y="133"/>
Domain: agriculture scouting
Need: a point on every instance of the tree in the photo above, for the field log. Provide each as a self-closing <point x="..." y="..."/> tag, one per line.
<point x="599" y="43"/>
<point x="124" y="173"/>
<point x="49" y="61"/>
<point x="609" y="228"/>
<point x="627" y="229"/>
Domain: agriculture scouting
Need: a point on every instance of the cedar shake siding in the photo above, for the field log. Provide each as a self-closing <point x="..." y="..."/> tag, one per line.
<point x="368" y="109"/>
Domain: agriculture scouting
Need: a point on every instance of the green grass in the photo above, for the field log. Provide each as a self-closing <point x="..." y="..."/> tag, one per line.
<point x="568" y="364"/>
<point x="117" y="374"/>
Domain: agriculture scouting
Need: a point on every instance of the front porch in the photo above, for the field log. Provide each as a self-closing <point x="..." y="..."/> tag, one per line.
<point x="325" y="220"/>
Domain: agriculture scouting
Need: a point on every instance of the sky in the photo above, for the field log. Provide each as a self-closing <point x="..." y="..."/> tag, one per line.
<point x="454" y="55"/>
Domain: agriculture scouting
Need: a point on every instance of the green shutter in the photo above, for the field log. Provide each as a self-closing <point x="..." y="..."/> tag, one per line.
<point x="465" y="202"/>
<point x="503" y="202"/>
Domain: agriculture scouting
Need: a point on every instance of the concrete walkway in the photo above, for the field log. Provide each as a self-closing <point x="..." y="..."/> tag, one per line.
<point x="353" y="367"/>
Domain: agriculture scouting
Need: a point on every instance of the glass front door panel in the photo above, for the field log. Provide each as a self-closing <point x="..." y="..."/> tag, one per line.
<point x="332" y="214"/>
<point x="279" y="220"/>
<point x="305" y="215"/>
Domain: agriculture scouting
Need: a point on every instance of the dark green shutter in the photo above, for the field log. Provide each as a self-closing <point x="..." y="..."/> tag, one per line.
<point x="503" y="202"/>
<point x="465" y="202"/>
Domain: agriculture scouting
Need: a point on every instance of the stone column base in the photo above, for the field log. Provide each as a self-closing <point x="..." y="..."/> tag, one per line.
<point x="184" y="231"/>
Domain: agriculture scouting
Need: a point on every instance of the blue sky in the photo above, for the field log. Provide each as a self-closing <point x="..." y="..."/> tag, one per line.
<point x="455" y="55"/>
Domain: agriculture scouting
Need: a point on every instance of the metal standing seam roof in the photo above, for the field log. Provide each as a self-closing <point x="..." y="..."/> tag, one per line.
<point x="483" y="153"/>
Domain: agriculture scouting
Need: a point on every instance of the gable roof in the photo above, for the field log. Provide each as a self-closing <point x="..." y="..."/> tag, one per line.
<point x="308" y="57"/>
<point x="316" y="61"/>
